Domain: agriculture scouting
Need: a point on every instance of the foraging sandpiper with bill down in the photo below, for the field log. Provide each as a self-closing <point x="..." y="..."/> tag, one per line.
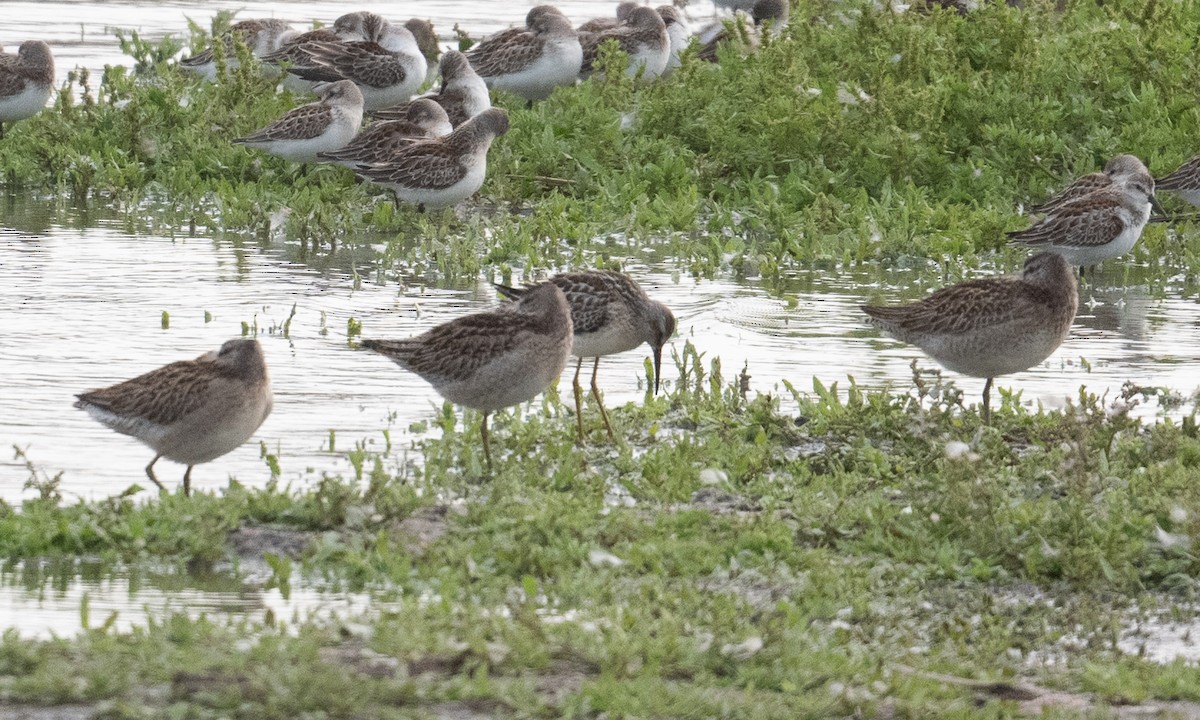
<point x="611" y="314"/>
<point x="314" y="128"/>
<point x="442" y="171"/>
<point x="491" y="360"/>
<point x="991" y="326"/>
<point x="191" y="411"/>
<point x="26" y="82"/>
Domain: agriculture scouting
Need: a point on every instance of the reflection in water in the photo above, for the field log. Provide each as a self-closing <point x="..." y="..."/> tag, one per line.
<point x="84" y="308"/>
<point x="41" y="599"/>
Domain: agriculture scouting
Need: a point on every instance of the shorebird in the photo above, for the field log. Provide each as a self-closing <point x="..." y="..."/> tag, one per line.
<point x="643" y="37"/>
<point x="463" y="94"/>
<point x="764" y="13"/>
<point x="598" y="24"/>
<point x="427" y="42"/>
<point x="1103" y="224"/>
<point x="444" y="171"/>
<point x="263" y="36"/>
<point x="26" y="82"/>
<point x="677" y="31"/>
<point x="611" y="314"/>
<point x="423" y="120"/>
<point x="1184" y="182"/>
<point x="322" y="126"/>
<point x="992" y="326"/>
<point x="387" y="67"/>
<point x="491" y="360"/>
<point x="1119" y="166"/>
<point x="191" y="411"/>
<point x="530" y="63"/>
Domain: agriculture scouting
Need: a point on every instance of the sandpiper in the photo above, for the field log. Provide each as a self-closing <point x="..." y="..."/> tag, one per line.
<point x="1184" y="182"/>
<point x="992" y="326"/>
<point x="503" y="37"/>
<point x="491" y="360"/>
<point x="292" y="52"/>
<point x="598" y="24"/>
<point x="26" y="82"/>
<point x="611" y="314"/>
<point x="191" y="411"/>
<point x="387" y="67"/>
<point x="643" y="36"/>
<point x="677" y="31"/>
<point x="531" y="63"/>
<point x="463" y="94"/>
<point x="1103" y="224"/>
<point x="423" y="120"/>
<point x="263" y="36"/>
<point x="771" y="14"/>
<point x="443" y="171"/>
<point x="1119" y="166"/>
<point x="317" y="127"/>
<point x="427" y="42"/>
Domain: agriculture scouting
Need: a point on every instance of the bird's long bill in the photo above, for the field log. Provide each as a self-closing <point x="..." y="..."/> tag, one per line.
<point x="1157" y="208"/>
<point x="657" y="366"/>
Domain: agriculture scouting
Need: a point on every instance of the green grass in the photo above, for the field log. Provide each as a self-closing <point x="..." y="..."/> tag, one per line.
<point x="808" y="553"/>
<point x="858" y="135"/>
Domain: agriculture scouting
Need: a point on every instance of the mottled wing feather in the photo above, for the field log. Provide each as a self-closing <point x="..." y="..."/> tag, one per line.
<point x="509" y="57"/>
<point x="303" y="123"/>
<point x="490" y="43"/>
<point x="962" y="308"/>
<point x="1076" y="225"/>
<point x="379" y="141"/>
<point x="11" y="82"/>
<point x="161" y="396"/>
<point x="1076" y="190"/>
<point x="458" y="349"/>
<point x="366" y="63"/>
<point x="427" y="164"/>
<point x="1187" y="177"/>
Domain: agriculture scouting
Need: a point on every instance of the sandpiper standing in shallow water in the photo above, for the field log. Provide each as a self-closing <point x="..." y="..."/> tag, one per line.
<point x="992" y="326"/>
<point x="1117" y="168"/>
<point x="263" y="36"/>
<point x="444" y="171"/>
<point x="310" y="129"/>
<point x="491" y="360"/>
<point x="423" y="120"/>
<point x="387" y="67"/>
<point x="531" y="63"/>
<point x="1184" y="182"/>
<point x="463" y="94"/>
<point x="1103" y="224"/>
<point x="191" y="411"/>
<point x="642" y="36"/>
<point x="611" y="314"/>
<point x="26" y="82"/>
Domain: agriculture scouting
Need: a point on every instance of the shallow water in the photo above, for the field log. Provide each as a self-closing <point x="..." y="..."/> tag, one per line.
<point x="83" y="305"/>
<point x="82" y="300"/>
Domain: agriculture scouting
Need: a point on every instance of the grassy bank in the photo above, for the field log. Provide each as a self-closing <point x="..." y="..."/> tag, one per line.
<point x="859" y="134"/>
<point x="737" y="556"/>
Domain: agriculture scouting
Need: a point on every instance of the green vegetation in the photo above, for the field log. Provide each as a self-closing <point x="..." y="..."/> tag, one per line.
<point x="822" y="553"/>
<point x="859" y="134"/>
<point x="839" y="557"/>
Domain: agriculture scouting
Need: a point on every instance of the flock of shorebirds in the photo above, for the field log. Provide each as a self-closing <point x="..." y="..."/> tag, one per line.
<point x="431" y="152"/>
